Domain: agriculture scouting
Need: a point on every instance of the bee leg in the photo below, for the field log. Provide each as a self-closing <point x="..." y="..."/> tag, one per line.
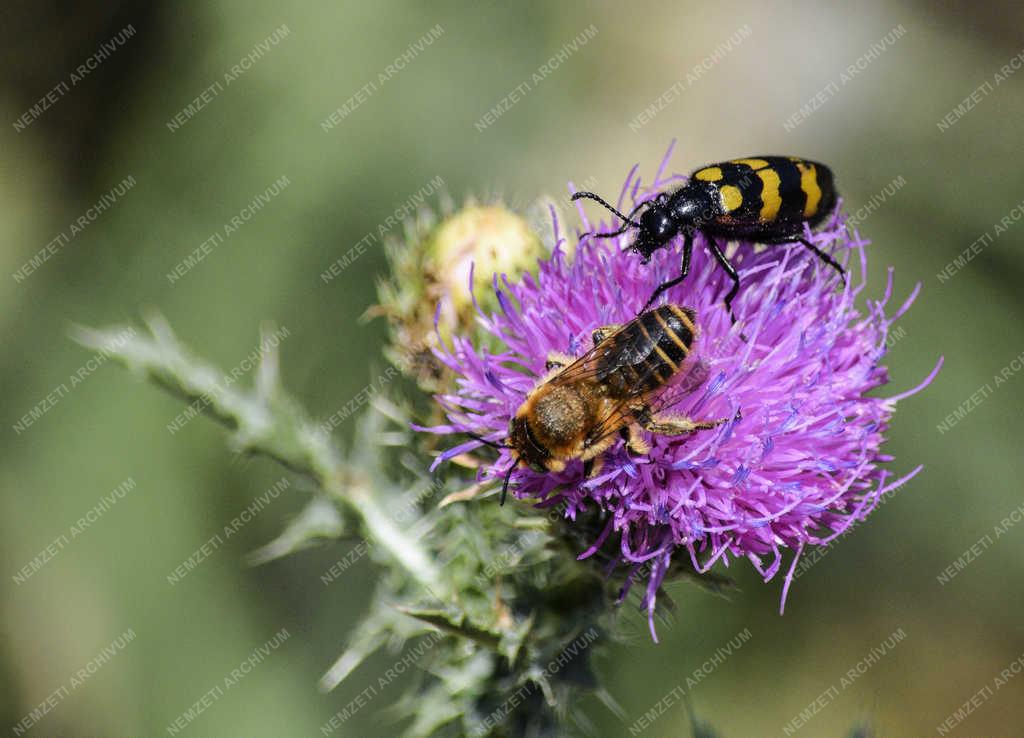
<point x="683" y="271"/>
<point x="592" y="467"/>
<point x="674" y="425"/>
<point x="593" y="452"/>
<point x="603" y="332"/>
<point x="636" y="443"/>
<point x="557" y="360"/>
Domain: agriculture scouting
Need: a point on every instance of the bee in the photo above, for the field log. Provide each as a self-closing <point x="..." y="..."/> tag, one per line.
<point x="615" y="389"/>
<point x="767" y="199"/>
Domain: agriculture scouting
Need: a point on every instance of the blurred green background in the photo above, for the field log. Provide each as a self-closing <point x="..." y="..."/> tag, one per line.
<point x="873" y="128"/>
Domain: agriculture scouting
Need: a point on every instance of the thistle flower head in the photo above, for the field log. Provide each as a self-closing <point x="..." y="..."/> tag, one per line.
<point x="799" y="460"/>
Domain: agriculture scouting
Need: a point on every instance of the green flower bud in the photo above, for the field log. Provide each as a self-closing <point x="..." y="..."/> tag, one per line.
<point x="430" y="272"/>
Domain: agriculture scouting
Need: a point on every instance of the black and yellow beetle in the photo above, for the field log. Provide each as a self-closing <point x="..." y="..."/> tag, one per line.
<point x="766" y="199"/>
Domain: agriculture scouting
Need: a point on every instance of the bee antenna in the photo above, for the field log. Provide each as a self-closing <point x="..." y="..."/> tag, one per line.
<point x="596" y="198"/>
<point x="504" y="485"/>
<point x="484" y="441"/>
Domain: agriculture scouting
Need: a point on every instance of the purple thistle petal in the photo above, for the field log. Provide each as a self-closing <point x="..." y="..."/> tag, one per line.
<point x="625" y="186"/>
<point x="923" y="383"/>
<point x="598" y="543"/>
<point x="789" y="578"/>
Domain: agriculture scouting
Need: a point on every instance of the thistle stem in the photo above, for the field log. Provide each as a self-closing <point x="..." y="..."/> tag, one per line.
<point x="265" y="422"/>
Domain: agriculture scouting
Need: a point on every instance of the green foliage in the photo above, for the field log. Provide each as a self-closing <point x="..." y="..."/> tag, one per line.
<point x="487" y="602"/>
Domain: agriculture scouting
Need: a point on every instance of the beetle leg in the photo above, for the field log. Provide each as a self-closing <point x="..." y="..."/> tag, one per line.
<point x="824" y="257"/>
<point x="683" y="271"/>
<point x="827" y="258"/>
<point x="731" y="271"/>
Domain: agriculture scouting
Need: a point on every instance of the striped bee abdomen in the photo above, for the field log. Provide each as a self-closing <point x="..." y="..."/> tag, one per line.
<point x="649" y="350"/>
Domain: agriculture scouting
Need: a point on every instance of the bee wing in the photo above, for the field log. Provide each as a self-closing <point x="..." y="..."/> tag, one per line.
<point x="623" y="347"/>
<point x="616" y="419"/>
<point x="597" y="363"/>
<point x="622" y="412"/>
<point x="662" y="398"/>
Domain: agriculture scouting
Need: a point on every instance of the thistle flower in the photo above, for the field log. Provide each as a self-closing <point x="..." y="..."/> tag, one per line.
<point x="799" y="462"/>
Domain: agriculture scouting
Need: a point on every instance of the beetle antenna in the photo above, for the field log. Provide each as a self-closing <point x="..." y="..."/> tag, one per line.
<point x="596" y="198"/>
